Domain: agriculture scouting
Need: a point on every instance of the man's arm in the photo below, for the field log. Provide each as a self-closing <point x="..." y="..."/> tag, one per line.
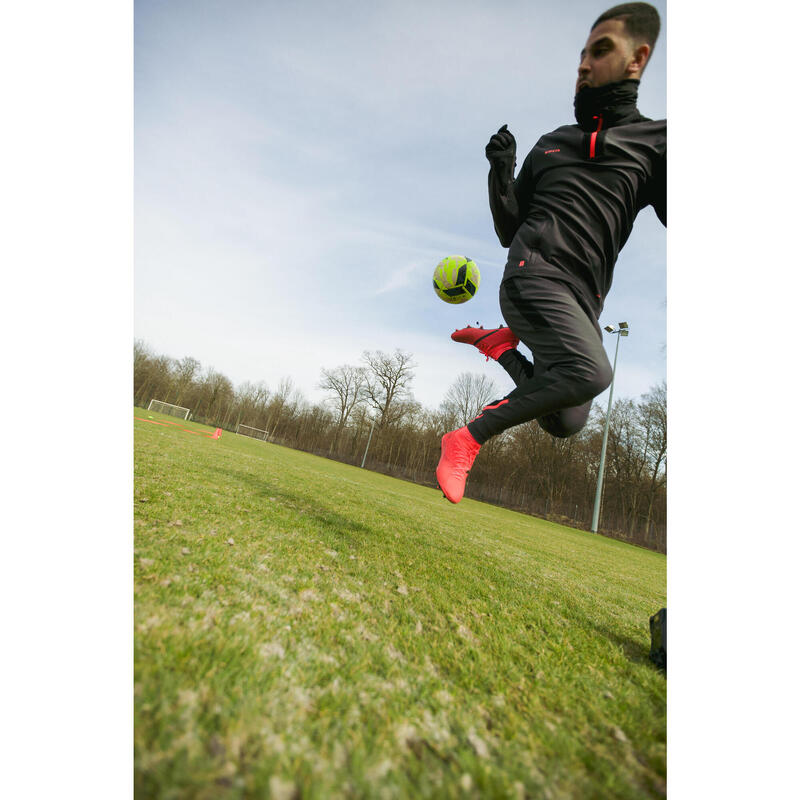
<point x="507" y="197"/>
<point x="658" y="189"/>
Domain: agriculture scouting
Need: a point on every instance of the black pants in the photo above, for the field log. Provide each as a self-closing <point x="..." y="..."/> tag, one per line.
<point x="570" y="366"/>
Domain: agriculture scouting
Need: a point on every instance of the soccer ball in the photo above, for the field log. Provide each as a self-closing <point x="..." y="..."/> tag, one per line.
<point x="456" y="279"/>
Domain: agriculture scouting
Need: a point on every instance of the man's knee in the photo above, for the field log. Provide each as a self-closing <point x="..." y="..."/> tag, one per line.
<point x="584" y="381"/>
<point x="601" y="379"/>
<point x="557" y="426"/>
<point x="566" y="422"/>
<point x="594" y="378"/>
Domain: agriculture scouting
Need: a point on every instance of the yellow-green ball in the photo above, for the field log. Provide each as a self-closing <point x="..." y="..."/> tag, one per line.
<point x="456" y="279"/>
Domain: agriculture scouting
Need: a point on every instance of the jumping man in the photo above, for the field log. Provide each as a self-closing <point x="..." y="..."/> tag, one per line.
<point x="564" y="219"/>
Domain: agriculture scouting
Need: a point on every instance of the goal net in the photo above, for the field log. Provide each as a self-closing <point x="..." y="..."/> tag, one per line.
<point x="168" y="408"/>
<point x="256" y="433"/>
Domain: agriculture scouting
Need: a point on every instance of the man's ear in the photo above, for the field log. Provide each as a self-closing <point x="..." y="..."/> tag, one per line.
<point x="640" y="56"/>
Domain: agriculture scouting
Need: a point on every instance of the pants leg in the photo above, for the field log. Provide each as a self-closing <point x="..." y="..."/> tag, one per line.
<point x="570" y="364"/>
<point x="561" y="423"/>
<point x="517" y="366"/>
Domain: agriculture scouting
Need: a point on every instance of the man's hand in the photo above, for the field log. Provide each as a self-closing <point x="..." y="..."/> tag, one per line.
<point x="502" y="145"/>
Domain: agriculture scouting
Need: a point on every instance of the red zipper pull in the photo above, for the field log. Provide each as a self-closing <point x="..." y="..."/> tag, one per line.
<point x="593" y="140"/>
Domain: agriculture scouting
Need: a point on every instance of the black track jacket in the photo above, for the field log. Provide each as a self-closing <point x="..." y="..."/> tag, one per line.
<point x="573" y="203"/>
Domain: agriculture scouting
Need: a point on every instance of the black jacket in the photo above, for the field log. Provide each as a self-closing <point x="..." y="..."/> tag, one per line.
<point x="573" y="203"/>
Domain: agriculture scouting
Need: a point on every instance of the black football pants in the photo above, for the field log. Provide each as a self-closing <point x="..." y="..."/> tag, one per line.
<point x="570" y="366"/>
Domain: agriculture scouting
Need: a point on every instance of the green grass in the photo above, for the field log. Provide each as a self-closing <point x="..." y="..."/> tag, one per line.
<point x="304" y="628"/>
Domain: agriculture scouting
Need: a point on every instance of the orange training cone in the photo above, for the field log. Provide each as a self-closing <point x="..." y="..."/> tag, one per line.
<point x="217" y="433"/>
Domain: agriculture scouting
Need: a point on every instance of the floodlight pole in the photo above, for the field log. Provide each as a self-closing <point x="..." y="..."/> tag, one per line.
<point x="366" y="449"/>
<point x="623" y="326"/>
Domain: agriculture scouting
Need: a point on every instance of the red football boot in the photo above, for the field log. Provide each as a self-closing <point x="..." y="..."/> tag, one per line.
<point x="492" y="342"/>
<point x="458" y="452"/>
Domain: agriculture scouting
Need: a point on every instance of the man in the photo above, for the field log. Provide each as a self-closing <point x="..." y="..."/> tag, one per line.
<point x="565" y="218"/>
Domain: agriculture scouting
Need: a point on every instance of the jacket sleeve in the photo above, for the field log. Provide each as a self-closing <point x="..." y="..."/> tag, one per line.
<point x="658" y="189"/>
<point x="508" y="198"/>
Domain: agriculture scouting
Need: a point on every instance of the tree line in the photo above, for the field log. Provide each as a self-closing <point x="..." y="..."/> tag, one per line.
<point x="370" y="409"/>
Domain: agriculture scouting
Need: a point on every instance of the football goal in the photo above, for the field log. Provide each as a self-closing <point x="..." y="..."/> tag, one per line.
<point x="247" y="430"/>
<point x="168" y="408"/>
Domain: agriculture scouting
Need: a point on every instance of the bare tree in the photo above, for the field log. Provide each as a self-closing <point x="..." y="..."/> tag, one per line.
<point x="653" y="419"/>
<point x="142" y="371"/>
<point x="627" y="460"/>
<point x="153" y="376"/>
<point x="469" y="393"/>
<point x="346" y="385"/>
<point x="545" y="464"/>
<point x="251" y="402"/>
<point x="213" y="396"/>
<point x="185" y="372"/>
<point x="283" y="405"/>
<point x="141" y="354"/>
<point x="387" y="384"/>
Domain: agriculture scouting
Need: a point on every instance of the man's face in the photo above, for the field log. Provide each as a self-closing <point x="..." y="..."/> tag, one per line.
<point x="607" y="56"/>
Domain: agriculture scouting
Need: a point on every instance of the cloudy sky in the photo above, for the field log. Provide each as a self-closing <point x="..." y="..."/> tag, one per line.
<point x="300" y="169"/>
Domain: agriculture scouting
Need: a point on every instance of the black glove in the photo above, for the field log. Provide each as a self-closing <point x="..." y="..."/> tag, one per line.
<point x="502" y="145"/>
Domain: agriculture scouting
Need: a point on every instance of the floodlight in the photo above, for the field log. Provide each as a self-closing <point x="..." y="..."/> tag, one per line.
<point x="622" y="330"/>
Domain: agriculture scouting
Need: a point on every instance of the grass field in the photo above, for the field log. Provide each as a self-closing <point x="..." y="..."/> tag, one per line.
<point x="307" y="629"/>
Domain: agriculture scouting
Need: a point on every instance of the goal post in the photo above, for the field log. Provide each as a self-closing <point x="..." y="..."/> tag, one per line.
<point x="255" y="433"/>
<point x="168" y="408"/>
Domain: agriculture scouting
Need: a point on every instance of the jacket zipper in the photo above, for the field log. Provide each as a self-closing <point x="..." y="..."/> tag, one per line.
<point x="593" y="140"/>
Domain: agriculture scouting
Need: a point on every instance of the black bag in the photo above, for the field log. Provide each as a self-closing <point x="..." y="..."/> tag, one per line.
<point x="658" y="639"/>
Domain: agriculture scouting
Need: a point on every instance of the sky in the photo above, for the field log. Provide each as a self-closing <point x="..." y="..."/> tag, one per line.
<point x="301" y="168"/>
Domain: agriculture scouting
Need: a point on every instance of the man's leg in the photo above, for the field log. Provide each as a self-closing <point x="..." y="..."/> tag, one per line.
<point x="570" y="364"/>
<point x="567" y="422"/>
<point x="573" y="368"/>
<point x="519" y="368"/>
<point x="561" y="423"/>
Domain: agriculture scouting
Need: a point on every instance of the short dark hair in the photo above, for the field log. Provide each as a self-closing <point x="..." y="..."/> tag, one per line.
<point x="642" y="22"/>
